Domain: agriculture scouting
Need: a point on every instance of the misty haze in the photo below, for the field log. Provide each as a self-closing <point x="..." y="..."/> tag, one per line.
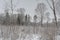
<point x="29" y="19"/>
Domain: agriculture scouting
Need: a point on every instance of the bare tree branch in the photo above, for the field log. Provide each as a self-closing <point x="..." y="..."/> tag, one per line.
<point x="11" y="6"/>
<point x="49" y="5"/>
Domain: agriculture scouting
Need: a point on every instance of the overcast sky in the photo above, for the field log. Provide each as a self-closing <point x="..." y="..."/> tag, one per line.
<point x="29" y="5"/>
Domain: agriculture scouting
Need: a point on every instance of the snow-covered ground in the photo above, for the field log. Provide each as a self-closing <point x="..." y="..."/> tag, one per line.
<point x="25" y="32"/>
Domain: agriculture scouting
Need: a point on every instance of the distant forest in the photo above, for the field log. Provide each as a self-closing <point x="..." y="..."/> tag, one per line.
<point x="21" y="18"/>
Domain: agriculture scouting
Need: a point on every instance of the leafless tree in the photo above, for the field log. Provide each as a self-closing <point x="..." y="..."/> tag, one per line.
<point x="7" y="16"/>
<point x="35" y="18"/>
<point x="12" y="6"/>
<point x="48" y="18"/>
<point x="21" y="12"/>
<point x="28" y="18"/>
<point x="53" y="8"/>
<point x="58" y="8"/>
<point x="41" y="8"/>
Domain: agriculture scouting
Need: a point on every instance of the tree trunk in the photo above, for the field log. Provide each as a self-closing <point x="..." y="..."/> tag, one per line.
<point x="47" y="23"/>
<point x="41" y="20"/>
<point x="54" y="13"/>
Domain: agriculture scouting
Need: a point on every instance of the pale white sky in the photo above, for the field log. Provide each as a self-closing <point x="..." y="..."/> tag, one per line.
<point x="29" y="5"/>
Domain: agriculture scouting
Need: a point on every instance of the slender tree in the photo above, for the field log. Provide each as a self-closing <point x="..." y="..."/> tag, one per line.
<point x="53" y="9"/>
<point x="58" y="9"/>
<point x="18" y="19"/>
<point x="41" y="8"/>
<point x="7" y="16"/>
<point x="12" y="6"/>
<point x="21" y="12"/>
<point x="35" y="18"/>
<point x="28" y="18"/>
<point x="48" y="18"/>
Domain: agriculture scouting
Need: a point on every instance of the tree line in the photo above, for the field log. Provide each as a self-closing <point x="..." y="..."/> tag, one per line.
<point x="40" y="10"/>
